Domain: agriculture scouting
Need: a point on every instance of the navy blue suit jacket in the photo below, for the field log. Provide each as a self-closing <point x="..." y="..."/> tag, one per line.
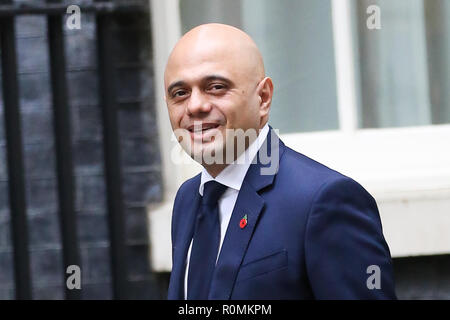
<point x="311" y="234"/>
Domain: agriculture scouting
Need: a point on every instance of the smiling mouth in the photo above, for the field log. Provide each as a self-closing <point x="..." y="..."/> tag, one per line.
<point x="203" y="128"/>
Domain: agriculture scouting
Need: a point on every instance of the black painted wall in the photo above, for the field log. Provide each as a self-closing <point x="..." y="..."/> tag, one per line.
<point x="139" y="149"/>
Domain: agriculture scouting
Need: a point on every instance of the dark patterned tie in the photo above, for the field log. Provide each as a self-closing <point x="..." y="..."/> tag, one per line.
<point x="206" y="243"/>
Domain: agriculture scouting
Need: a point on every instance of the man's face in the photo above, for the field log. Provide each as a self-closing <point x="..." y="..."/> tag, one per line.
<point x="212" y="85"/>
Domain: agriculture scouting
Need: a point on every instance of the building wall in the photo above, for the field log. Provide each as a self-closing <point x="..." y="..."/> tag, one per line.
<point x="139" y="156"/>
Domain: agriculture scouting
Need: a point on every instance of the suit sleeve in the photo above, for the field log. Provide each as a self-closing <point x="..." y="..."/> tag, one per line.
<point x="346" y="254"/>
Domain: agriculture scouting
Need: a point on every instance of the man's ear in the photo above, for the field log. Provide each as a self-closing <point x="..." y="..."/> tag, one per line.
<point x="265" y="94"/>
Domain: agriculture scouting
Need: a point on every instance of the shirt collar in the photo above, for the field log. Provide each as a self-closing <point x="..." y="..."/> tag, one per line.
<point x="233" y="175"/>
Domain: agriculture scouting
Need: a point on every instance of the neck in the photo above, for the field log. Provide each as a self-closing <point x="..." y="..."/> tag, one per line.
<point x="215" y="169"/>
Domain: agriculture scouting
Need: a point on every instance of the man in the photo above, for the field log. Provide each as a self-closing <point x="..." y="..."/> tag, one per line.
<point x="300" y="231"/>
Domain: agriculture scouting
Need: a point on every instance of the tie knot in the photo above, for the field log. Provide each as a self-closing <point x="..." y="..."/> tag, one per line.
<point x="212" y="191"/>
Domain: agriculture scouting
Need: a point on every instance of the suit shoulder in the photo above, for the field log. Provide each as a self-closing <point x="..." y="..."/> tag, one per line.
<point x="182" y="201"/>
<point x="187" y="187"/>
<point x="298" y="169"/>
<point x="300" y="166"/>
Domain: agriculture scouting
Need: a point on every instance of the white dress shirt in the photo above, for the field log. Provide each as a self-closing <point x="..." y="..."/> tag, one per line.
<point x="232" y="177"/>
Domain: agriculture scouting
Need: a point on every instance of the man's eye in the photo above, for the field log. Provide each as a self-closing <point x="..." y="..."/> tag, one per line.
<point x="217" y="87"/>
<point x="179" y="93"/>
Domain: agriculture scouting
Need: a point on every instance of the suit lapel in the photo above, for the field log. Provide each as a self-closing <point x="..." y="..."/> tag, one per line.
<point x="249" y="203"/>
<point x="236" y="241"/>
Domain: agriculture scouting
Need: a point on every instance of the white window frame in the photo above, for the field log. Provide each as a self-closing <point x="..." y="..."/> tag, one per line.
<point x="407" y="170"/>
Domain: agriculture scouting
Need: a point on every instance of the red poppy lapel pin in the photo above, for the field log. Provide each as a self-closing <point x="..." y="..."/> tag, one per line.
<point x="243" y="222"/>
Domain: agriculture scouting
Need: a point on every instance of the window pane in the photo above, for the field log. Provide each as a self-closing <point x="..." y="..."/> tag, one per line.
<point x="296" y="40"/>
<point x="437" y="13"/>
<point x="404" y="76"/>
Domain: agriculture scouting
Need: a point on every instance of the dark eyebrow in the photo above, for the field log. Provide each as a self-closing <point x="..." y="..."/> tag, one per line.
<point x="214" y="77"/>
<point x="209" y="78"/>
<point x="175" y="84"/>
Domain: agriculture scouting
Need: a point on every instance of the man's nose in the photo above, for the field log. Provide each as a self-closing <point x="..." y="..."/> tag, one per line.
<point x="197" y="103"/>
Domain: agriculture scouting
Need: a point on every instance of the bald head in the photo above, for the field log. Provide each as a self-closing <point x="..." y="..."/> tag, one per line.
<point x="218" y="42"/>
<point x="215" y="76"/>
